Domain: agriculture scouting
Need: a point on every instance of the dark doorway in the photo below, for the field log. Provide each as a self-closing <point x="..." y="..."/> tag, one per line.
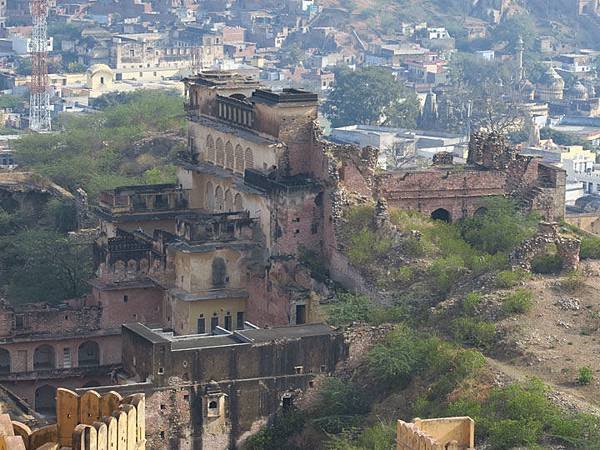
<point x="214" y="323"/>
<point x="88" y="354"/>
<point x="228" y="323"/>
<point x="201" y="325"/>
<point x="4" y="361"/>
<point x="300" y="314"/>
<point x="441" y="214"/>
<point x="239" y="321"/>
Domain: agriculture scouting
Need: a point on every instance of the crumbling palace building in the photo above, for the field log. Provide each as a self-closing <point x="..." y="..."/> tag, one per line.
<point x="222" y="318"/>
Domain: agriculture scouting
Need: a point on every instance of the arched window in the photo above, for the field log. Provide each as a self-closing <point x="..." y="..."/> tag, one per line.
<point x="228" y="201"/>
<point x="210" y="197"/>
<point x="249" y="159"/>
<point x="88" y="354"/>
<point x="238" y="204"/>
<point x="219" y="272"/>
<point x="44" y="358"/>
<point x="219" y="199"/>
<point x="45" y="400"/>
<point x="210" y="149"/>
<point x="229" y="155"/>
<point x="220" y="153"/>
<point x="4" y="361"/>
<point x="442" y="214"/>
<point x="239" y="159"/>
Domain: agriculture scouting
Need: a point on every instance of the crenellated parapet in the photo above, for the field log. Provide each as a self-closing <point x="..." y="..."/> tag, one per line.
<point x="83" y="422"/>
<point x="450" y="433"/>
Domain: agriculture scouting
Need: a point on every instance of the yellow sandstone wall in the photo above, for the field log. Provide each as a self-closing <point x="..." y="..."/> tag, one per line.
<point x="87" y="422"/>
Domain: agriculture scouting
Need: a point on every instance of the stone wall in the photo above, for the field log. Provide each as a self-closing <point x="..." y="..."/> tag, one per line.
<point x="548" y="234"/>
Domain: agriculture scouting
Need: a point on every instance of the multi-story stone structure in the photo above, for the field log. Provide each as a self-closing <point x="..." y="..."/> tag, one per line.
<point x="257" y="186"/>
<point x="198" y="398"/>
<point x="73" y="344"/>
<point x="204" y="262"/>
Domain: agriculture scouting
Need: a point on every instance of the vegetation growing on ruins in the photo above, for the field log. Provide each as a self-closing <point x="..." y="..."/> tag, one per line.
<point x="131" y="141"/>
<point x="446" y="253"/>
<point x="455" y="268"/>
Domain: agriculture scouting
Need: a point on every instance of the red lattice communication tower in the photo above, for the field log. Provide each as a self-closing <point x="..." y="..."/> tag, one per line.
<point x="39" y="103"/>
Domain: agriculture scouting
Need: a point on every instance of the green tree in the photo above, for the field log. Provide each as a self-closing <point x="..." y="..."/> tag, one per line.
<point x="45" y="266"/>
<point x="370" y="96"/>
<point x="111" y="147"/>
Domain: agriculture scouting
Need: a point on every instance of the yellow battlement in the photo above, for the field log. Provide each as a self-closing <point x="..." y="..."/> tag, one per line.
<point x="87" y="422"/>
<point x="450" y="433"/>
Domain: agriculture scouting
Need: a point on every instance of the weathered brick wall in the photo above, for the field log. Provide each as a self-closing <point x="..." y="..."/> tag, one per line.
<point x="41" y="318"/>
<point x="299" y="217"/>
<point x="133" y="304"/>
<point x="461" y="192"/>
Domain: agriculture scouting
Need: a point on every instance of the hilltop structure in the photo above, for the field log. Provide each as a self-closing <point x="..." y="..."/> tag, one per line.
<point x="212" y="265"/>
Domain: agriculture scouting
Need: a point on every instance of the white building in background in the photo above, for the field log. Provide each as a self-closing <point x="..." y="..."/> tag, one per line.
<point x="399" y="146"/>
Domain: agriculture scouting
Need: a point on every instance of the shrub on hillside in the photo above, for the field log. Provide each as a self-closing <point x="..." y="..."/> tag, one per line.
<point x="380" y="436"/>
<point x="548" y="264"/>
<point x="590" y="247"/>
<point x="340" y="405"/>
<point x="398" y="358"/>
<point x="366" y="246"/>
<point x="500" y="228"/>
<point x="445" y="272"/>
<point x="474" y="332"/>
<point x="518" y="302"/>
<point x="509" y="278"/>
<point x="405" y="354"/>
<point x="470" y="303"/>
<point x="349" y="308"/>
<point x="585" y="375"/>
<point x="276" y="435"/>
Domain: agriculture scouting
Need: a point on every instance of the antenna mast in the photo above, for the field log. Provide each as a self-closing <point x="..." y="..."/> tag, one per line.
<point x="39" y="103"/>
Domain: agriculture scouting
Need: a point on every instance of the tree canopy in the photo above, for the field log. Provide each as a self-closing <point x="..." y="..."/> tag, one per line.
<point x="127" y="142"/>
<point x="370" y="96"/>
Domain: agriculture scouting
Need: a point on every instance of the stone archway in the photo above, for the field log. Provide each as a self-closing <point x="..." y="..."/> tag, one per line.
<point x="4" y="361"/>
<point x="88" y="354"/>
<point x="44" y="358"/>
<point x="442" y="214"/>
<point x="45" y="400"/>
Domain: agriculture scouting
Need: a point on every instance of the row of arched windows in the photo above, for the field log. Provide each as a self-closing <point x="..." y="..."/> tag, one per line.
<point x="44" y="357"/>
<point x="226" y="156"/>
<point x="222" y="200"/>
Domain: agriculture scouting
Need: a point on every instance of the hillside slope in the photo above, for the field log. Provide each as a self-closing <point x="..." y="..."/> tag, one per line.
<point x="557" y="18"/>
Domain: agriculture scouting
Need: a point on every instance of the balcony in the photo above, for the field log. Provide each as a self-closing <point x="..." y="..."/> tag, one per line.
<point x="143" y="199"/>
<point x="201" y="228"/>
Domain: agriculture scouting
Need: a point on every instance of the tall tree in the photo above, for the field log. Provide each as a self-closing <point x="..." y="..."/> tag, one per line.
<point x="370" y="96"/>
<point x="44" y="266"/>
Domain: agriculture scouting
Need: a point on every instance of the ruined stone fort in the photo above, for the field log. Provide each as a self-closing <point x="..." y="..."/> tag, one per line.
<point x="222" y="325"/>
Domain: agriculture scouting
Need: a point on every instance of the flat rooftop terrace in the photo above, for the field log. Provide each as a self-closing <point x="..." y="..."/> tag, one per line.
<point x="251" y="334"/>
